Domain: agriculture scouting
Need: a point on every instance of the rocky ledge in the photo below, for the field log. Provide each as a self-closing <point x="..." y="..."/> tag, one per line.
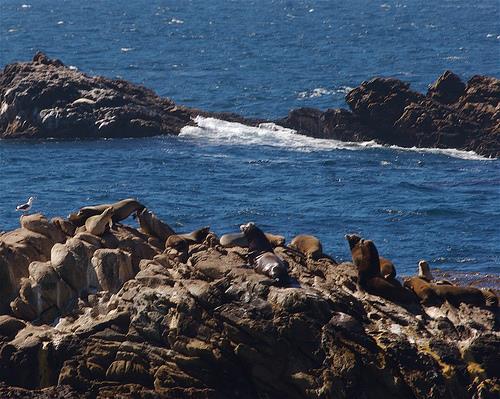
<point x="44" y="98"/>
<point x="110" y="310"/>
<point x="451" y="115"/>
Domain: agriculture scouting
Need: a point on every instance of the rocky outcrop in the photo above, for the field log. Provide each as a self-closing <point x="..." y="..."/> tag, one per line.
<point x="115" y="316"/>
<point x="44" y="98"/>
<point x="451" y="115"/>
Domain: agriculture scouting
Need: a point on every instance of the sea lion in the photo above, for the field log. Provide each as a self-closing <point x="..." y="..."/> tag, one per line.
<point x="261" y="255"/>
<point x="308" y="245"/>
<point x="177" y="247"/>
<point x="422" y="290"/>
<point x="431" y="294"/>
<point x="79" y="218"/>
<point x="386" y="267"/>
<point x="490" y="298"/>
<point x="153" y="226"/>
<point x="272" y="266"/>
<point x="177" y="242"/>
<point x="231" y="240"/>
<point x="257" y="240"/>
<point x="98" y="224"/>
<point x="366" y="259"/>
<point x="196" y="236"/>
<point x="424" y="271"/>
<point x="123" y="209"/>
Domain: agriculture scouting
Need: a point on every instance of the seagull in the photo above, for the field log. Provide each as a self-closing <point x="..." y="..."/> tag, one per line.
<point x="25" y="207"/>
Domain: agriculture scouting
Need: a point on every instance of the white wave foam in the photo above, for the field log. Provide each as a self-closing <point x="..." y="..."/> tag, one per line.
<point x="322" y="91"/>
<point x="217" y="131"/>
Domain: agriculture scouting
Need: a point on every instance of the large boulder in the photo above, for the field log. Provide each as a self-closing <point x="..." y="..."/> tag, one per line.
<point x="44" y="98"/>
<point x="113" y="267"/>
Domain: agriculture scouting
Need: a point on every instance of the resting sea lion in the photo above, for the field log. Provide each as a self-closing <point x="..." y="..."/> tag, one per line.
<point x="231" y="240"/>
<point x="309" y="245"/>
<point x="153" y="226"/>
<point x="366" y="259"/>
<point x="431" y="294"/>
<point x="272" y="266"/>
<point x="177" y="242"/>
<point x="97" y="225"/>
<point x="123" y="209"/>
<point x="177" y="247"/>
<point x="79" y="218"/>
<point x="261" y="255"/>
<point x="387" y="268"/>
<point x="197" y="236"/>
<point x="423" y="290"/>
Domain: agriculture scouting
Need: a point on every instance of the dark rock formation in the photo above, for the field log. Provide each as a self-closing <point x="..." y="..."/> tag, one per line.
<point x="138" y="322"/>
<point x="44" y="98"/>
<point x="451" y="115"/>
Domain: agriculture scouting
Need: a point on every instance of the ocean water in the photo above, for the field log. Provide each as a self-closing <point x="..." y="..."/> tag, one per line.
<point x="261" y="58"/>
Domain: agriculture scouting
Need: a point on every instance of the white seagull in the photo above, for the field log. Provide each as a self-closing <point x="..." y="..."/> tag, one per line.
<point x="25" y="207"/>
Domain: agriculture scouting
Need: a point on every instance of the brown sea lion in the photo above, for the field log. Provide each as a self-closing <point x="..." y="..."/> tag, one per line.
<point x="196" y="236"/>
<point x="153" y="226"/>
<point x="79" y="218"/>
<point x="123" y="209"/>
<point x="308" y="245"/>
<point x="432" y="294"/>
<point x="366" y="259"/>
<point x="261" y="255"/>
<point x="177" y="247"/>
<point x="257" y="240"/>
<point x="98" y="224"/>
<point x="231" y="240"/>
<point x="386" y="267"/>
<point x="490" y="298"/>
<point x="177" y="242"/>
<point x="422" y="290"/>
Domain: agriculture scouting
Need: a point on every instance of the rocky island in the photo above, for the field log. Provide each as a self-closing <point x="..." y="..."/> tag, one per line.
<point x="94" y="307"/>
<point x="44" y="98"/>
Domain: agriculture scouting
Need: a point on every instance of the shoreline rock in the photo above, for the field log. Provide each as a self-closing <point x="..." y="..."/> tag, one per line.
<point x="44" y="98"/>
<point x="115" y="315"/>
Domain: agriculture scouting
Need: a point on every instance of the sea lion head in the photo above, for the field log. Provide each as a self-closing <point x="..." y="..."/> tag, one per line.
<point x="352" y="239"/>
<point x="246" y="228"/>
<point x="424" y="271"/>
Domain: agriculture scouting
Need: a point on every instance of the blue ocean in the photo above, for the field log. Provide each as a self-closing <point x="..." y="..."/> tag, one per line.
<point x="261" y="59"/>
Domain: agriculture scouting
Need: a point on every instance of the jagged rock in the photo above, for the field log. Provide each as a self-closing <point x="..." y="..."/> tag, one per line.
<point x="43" y="295"/>
<point x="211" y="327"/>
<point x="72" y="262"/>
<point x="44" y="98"/>
<point x="20" y="247"/>
<point x="447" y="89"/>
<point x="113" y="267"/>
